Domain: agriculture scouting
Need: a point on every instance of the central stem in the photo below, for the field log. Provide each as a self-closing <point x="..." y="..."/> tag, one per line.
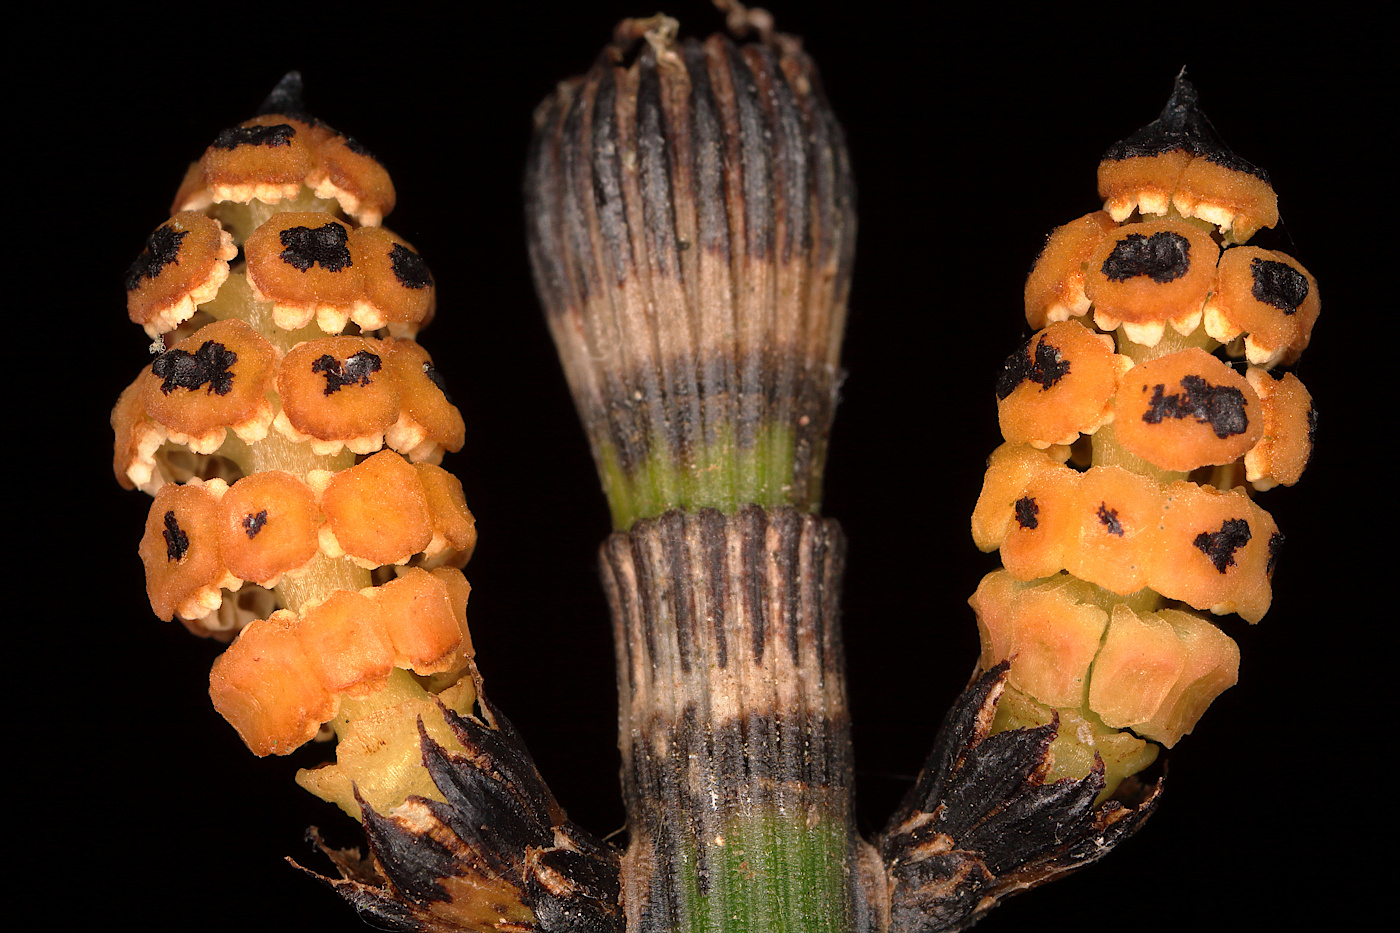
<point x="692" y="227"/>
<point x="733" y="724"/>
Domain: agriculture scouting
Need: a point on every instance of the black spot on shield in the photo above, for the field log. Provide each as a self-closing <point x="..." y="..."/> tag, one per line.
<point x="325" y="246"/>
<point x="162" y="249"/>
<point x="209" y="365"/>
<point x="1278" y="285"/>
<point x="1220" y="546"/>
<point x="176" y="541"/>
<point x="1164" y="257"/>
<point x="355" y="370"/>
<point x="1026" y="512"/>
<point x="1222" y="407"/>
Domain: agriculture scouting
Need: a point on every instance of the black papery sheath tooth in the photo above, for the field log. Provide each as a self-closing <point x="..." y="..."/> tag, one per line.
<point x="499" y="842"/>
<point x="981" y="823"/>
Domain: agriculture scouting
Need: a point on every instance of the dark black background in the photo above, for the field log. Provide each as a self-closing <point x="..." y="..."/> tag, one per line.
<point x="972" y="134"/>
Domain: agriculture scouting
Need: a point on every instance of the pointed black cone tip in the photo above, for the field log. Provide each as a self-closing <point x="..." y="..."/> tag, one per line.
<point x="1181" y="125"/>
<point x="287" y="97"/>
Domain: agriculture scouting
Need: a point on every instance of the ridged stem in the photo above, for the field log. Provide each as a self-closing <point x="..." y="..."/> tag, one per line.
<point x="691" y="226"/>
<point x="733" y="724"/>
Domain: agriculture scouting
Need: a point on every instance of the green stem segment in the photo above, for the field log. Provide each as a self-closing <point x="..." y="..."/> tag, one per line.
<point x="723" y="475"/>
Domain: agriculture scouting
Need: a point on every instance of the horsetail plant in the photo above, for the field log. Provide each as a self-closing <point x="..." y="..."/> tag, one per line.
<point x="691" y="224"/>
